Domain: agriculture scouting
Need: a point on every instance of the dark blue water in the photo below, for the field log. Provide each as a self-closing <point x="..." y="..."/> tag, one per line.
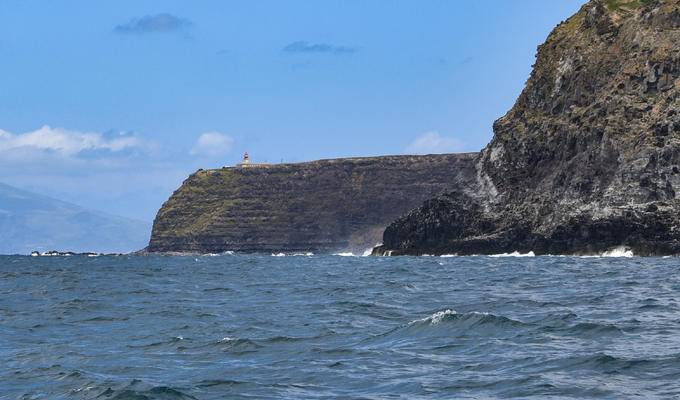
<point x="338" y="327"/>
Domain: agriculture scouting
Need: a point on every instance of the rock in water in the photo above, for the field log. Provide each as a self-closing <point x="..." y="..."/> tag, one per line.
<point x="320" y="206"/>
<point x="588" y="158"/>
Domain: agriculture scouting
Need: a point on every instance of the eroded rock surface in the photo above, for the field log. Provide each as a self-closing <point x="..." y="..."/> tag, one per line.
<point x="589" y="156"/>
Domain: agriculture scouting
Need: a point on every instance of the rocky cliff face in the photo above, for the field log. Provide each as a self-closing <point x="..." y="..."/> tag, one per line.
<point x="321" y="206"/>
<point x="589" y="156"/>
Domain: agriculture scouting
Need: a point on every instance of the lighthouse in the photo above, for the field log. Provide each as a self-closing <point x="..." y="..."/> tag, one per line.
<point x="245" y="162"/>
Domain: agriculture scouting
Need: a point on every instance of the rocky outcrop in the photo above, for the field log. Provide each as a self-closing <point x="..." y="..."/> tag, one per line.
<point x="589" y="156"/>
<point x="320" y="206"/>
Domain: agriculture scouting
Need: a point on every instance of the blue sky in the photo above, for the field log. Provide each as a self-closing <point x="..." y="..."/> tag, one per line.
<point x="111" y="104"/>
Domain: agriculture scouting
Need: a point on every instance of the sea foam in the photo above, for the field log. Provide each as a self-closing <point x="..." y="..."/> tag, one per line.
<point x="435" y="318"/>
<point x="514" y="254"/>
<point x="618" y="252"/>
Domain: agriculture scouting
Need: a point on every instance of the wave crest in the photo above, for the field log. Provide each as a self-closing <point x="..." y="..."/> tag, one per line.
<point x="465" y="320"/>
<point x="514" y="254"/>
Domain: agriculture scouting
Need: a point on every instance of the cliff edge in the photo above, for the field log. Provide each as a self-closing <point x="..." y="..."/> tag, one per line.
<point x="319" y="206"/>
<point x="588" y="158"/>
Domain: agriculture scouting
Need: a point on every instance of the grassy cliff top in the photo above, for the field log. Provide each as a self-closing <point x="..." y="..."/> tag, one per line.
<point x="616" y="5"/>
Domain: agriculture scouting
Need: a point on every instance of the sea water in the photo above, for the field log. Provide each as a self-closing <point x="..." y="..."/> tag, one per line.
<point x="330" y="327"/>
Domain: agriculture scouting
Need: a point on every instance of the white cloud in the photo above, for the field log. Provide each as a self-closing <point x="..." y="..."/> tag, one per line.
<point x="212" y="144"/>
<point x="434" y="143"/>
<point x="64" y="142"/>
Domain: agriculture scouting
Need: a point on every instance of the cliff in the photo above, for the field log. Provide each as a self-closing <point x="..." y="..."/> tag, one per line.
<point x="320" y="206"/>
<point x="587" y="159"/>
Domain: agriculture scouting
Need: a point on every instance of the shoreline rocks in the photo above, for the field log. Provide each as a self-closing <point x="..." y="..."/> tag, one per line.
<point x="55" y="253"/>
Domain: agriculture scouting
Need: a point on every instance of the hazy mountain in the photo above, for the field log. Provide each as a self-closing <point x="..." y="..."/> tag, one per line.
<point x="30" y="221"/>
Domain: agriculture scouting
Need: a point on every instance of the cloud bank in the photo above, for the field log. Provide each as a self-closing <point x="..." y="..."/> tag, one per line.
<point x="434" y="143"/>
<point x="212" y="144"/>
<point x="159" y="23"/>
<point x="64" y="142"/>
<point x="307" y="47"/>
<point x="116" y="172"/>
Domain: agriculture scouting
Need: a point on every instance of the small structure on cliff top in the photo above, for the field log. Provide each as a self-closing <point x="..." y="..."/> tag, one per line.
<point x="246" y="160"/>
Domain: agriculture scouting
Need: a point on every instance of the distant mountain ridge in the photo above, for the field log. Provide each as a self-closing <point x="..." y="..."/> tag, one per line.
<point x="30" y="221"/>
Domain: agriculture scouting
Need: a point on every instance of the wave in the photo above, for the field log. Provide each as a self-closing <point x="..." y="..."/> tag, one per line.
<point x="170" y="341"/>
<point x="237" y="345"/>
<point x="469" y="319"/>
<point x="101" y="318"/>
<point x="307" y="254"/>
<point x="224" y="253"/>
<point x="218" y="382"/>
<point x="514" y="254"/>
<point x="594" y="328"/>
<point x="445" y="325"/>
<point x="154" y="393"/>
<point x="365" y="253"/>
<point x="617" y="252"/>
<point x="611" y="364"/>
<point x="435" y="318"/>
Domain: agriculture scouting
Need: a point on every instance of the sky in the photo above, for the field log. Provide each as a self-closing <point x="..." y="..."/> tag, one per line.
<point x="111" y="105"/>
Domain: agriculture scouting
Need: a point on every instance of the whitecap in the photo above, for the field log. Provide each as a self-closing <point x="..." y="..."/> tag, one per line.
<point x="224" y="253"/>
<point x="278" y="255"/>
<point x="618" y="252"/>
<point x="448" y="255"/>
<point x="514" y="254"/>
<point x="344" y="254"/>
<point x="435" y="318"/>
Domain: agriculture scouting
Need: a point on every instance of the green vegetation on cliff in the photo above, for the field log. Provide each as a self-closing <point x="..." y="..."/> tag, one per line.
<point x="615" y="5"/>
<point x="327" y="205"/>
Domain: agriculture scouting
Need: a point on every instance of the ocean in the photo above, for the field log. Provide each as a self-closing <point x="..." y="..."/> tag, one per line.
<point x="331" y="327"/>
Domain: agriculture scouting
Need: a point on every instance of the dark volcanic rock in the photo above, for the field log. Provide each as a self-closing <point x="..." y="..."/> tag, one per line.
<point x="587" y="159"/>
<point x="321" y="206"/>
